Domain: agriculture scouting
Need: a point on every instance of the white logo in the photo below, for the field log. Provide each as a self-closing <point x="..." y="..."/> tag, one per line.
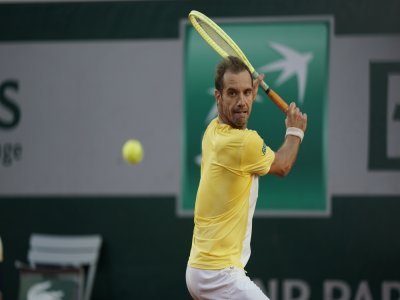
<point x="40" y="291"/>
<point x="293" y="63"/>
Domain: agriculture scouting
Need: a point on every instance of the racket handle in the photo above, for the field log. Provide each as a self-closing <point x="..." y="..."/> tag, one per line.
<point x="277" y="100"/>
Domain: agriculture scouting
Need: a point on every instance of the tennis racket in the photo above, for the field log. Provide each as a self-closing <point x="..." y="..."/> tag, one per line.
<point x="225" y="46"/>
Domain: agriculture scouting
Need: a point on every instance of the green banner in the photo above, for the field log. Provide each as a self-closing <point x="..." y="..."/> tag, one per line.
<point x="294" y="55"/>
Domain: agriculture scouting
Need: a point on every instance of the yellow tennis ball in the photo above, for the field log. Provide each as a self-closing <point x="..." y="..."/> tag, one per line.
<point x="132" y="151"/>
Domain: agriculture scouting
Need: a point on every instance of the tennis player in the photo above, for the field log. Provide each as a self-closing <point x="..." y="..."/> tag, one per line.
<point x="233" y="157"/>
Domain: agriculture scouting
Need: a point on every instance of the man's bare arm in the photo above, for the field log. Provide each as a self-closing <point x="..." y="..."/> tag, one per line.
<point x="286" y="156"/>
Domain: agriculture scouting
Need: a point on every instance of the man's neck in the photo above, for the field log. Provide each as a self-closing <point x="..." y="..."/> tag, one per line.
<point x="221" y="121"/>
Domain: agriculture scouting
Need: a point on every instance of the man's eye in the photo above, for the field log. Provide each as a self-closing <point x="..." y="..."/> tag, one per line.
<point x="248" y="93"/>
<point x="232" y="93"/>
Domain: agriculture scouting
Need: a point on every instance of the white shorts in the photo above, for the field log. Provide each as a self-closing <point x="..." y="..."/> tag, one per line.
<point x="230" y="283"/>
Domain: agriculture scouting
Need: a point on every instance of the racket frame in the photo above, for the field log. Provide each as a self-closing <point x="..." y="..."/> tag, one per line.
<point x="194" y="16"/>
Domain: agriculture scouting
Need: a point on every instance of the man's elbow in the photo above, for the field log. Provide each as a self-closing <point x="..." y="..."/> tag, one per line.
<point x="285" y="170"/>
<point x="282" y="170"/>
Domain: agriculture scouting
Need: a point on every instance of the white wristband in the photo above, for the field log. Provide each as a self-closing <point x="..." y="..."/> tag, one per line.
<point x="296" y="132"/>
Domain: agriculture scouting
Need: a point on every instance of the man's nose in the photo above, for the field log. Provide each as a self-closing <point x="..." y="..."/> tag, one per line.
<point x="241" y="100"/>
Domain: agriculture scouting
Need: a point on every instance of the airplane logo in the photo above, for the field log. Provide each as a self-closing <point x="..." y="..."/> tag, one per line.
<point x="293" y="63"/>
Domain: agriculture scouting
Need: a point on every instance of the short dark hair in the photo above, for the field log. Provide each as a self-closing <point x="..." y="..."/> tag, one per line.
<point x="229" y="63"/>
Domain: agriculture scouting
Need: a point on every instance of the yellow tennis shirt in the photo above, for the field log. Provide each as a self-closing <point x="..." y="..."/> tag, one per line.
<point x="232" y="160"/>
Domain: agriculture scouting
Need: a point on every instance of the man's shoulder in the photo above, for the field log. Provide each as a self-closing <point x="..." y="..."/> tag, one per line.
<point x="251" y="134"/>
<point x="232" y="133"/>
<point x="243" y="137"/>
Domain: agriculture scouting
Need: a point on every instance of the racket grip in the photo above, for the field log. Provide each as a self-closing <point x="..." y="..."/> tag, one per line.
<point x="277" y="100"/>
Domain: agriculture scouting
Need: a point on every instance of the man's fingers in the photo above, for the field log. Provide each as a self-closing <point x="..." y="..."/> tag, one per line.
<point x="261" y="77"/>
<point x="292" y="107"/>
<point x="256" y="84"/>
<point x="258" y="80"/>
<point x="294" y="110"/>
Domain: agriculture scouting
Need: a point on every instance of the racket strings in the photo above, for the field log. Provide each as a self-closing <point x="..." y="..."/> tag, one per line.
<point x="218" y="40"/>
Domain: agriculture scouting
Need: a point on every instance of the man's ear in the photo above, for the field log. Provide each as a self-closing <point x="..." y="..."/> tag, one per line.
<point x="217" y="95"/>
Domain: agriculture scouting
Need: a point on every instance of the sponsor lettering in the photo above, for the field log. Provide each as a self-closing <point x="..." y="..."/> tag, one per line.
<point x="10" y="117"/>
<point x="332" y="289"/>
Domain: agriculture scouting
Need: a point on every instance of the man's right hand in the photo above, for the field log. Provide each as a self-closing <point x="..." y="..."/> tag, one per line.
<point x="295" y="118"/>
<point x="285" y="157"/>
